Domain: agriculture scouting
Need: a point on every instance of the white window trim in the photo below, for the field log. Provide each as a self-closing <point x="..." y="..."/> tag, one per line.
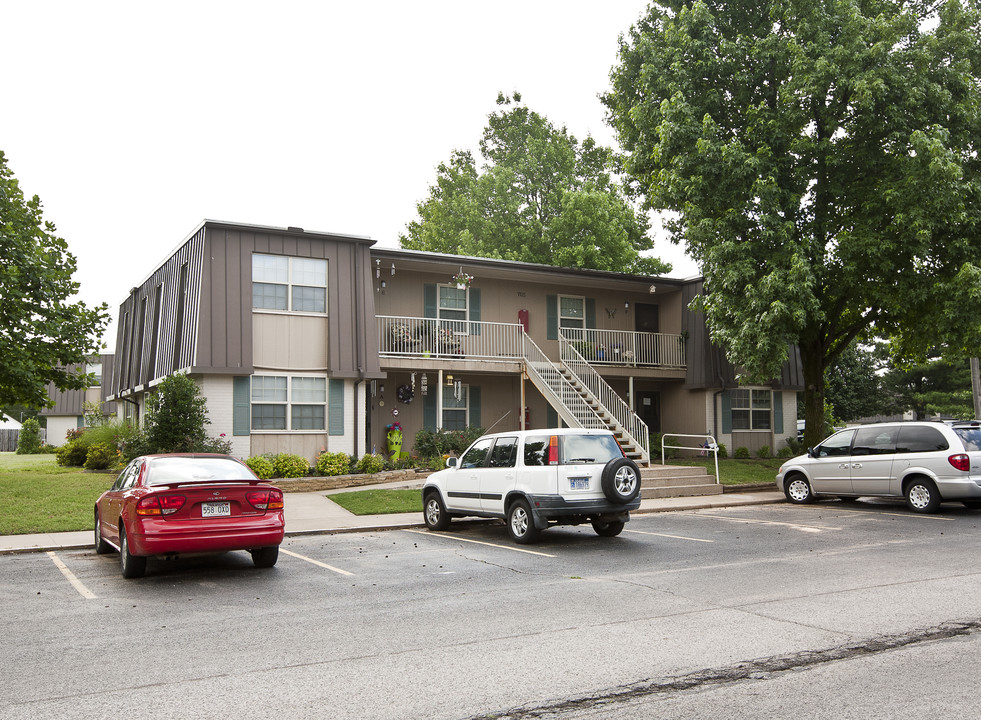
<point x="289" y="288"/>
<point x="733" y="408"/>
<point x="465" y="391"/>
<point x="562" y="317"/>
<point x="289" y="405"/>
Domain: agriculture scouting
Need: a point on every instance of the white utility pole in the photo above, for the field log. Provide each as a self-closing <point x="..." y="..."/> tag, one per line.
<point x="976" y="387"/>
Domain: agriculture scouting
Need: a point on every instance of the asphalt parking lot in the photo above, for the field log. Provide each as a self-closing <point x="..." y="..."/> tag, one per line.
<point x="370" y="622"/>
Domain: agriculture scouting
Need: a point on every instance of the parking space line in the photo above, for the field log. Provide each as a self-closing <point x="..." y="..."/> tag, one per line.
<point x="76" y="583"/>
<point x="796" y="526"/>
<point x="480" y="542"/>
<point x="894" y="514"/>
<point x="316" y="562"/>
<point x="674" y="537"/>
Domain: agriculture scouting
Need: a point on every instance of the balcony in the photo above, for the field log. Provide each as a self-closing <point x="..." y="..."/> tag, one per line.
<point x="623" y="348"/>
<point x="415" y="337"/>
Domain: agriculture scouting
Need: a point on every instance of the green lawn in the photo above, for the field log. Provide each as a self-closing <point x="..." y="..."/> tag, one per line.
<point x="39" y="496"/>
<point x="379" y="502"/>
<point x="737" y="472"/>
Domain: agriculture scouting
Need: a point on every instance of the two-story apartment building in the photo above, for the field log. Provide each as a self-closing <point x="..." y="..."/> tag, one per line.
<point x="69" y="409"/>
<point x="305" y="341"/>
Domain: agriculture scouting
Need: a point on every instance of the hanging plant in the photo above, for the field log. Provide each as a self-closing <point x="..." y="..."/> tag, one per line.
<point x="405" y="394"/>
<point x="461" y="279"/>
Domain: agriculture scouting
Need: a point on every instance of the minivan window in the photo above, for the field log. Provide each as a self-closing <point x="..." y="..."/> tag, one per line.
<point x="875" y="440"/>
<point x="971" y="437"/>
<point x="578" y="449"/>
<point x="918" y="438"/>
<point x="836" y="445"/>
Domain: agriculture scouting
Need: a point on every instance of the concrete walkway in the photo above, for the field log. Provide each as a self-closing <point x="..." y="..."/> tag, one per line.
<point x="313" y="513"/>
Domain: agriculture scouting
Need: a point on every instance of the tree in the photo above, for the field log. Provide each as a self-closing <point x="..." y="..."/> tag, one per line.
<point x="936" y="386"/>
<point x="852" y="384"/>
<point x="42" y="333"/>
<point x="540" y="196"/>
<point x="176" y="418"/>
<point x="822" y="159"/>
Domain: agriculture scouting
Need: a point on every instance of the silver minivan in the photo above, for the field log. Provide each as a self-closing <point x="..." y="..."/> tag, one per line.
<point x="924" y="462"/>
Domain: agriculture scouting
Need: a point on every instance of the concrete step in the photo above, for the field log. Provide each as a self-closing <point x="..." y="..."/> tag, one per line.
<point x="670" y="471"/>
<point x="677" y="481"/>
<point x="680" y="491"/>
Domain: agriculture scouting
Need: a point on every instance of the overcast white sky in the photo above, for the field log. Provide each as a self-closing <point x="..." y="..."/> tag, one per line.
<point x="134" y="121"/>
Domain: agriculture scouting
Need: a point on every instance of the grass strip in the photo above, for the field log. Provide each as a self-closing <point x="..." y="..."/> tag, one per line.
<point x="379" y="502"/>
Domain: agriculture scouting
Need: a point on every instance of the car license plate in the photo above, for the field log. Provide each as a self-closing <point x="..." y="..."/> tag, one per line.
<point x="579" y="483"/>
<point x="216" y="509"/>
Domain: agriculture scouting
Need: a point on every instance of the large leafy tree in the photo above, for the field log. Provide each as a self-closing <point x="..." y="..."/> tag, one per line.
<point x="42" y="332"/>
<point x="539" y="196"/>
<point x="853" y="385"/>
<point x="934" y="386"/>
<point x="822" y="159"/>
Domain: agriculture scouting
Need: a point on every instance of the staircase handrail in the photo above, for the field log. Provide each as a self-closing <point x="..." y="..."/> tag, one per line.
<point x="552" y="383"/>
<point x="710" y="446"/>
<point x="627" y="420"/>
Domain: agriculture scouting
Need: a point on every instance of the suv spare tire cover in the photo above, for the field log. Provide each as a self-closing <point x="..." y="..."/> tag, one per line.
<point x="609" y="484"/>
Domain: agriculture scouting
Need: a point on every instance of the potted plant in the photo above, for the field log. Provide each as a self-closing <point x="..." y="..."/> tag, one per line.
<point x="461" y="280"/>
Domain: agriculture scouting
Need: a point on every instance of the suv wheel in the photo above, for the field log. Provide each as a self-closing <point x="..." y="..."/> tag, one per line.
<point x="521" y="524"/>
<point x="922" y="496"/>
<point x="621" y="480"/>
<point x="435" y="512"/>
<point x="798" y="490"/>
<point x="608" y="529"/>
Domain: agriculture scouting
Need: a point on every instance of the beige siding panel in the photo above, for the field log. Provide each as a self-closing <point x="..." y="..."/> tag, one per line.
<point x="296" y="343"/>
<point x="307" y="445"/>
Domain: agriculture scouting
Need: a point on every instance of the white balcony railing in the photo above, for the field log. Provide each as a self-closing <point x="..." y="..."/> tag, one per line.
<point x="622" y="347"/>
<point x="429" y="337"/>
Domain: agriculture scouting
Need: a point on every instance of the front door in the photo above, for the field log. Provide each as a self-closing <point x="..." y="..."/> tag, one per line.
<point x="647" y="318"/>
<point x="648" y="409"/>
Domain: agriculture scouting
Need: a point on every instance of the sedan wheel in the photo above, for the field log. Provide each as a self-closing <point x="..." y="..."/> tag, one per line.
<point x="101" y="546"/>
<point x="265" y="557"/>
<point x="132" y="566"/>
<point x="922" y="496"/>
<point x="798" y="490"/>
<point x="521" y="524"/>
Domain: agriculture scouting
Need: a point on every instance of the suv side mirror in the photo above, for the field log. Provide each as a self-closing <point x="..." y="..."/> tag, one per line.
<point x="451" y="462"/>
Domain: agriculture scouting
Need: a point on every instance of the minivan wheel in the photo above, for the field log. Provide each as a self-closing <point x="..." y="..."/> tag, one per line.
<point x="521" y="524"/>
<point x="621" y="480"/>
<point x="434" y="512"/>
<point x="798" y="490"/>
<point x="922" y="496"/>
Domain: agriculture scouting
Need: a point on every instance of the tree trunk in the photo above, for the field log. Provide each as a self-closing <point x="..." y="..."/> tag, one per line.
<point x="812" y="360"/>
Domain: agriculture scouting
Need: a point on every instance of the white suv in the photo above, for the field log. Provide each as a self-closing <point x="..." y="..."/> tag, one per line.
<point x="925" y="462"/>
<point x="534" y="479"/>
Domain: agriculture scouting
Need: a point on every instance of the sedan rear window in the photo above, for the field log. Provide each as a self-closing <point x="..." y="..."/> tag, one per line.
<point x="174" y="470"/>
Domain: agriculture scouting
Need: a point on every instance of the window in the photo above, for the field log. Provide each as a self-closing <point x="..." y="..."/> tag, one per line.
<point x="505" y="453"/>
<point x="455" y="410"/>
<point x="96" y="370"/>
<point x="875" y="441"/>
<point x="476" y="455"/>
<point x="917" y="439"/>
<point x="281" y="283"/>
<point x="839" y="445"/>
<point x="751" y="409"/>
<point x="452" y="305"/>
<point x="572" y="312"/>
<point x="289" y="403"/>
<point x="536" y="450"/>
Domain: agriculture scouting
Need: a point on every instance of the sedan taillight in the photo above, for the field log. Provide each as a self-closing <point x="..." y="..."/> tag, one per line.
<point x="160" y="504"/>
<point x="960" y="462"/>
<point x="265" y="499"/>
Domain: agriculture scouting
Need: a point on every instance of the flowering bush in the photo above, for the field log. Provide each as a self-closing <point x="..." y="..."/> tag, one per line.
<point x="333" y="463"/>
<point x="370" y="464"/>
<point x="287" y="465"/>
<point x="261" y="466"/>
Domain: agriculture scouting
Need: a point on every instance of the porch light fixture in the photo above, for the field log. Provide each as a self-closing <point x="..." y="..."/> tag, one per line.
<point x="449" y="381"/>
<point x="378" y="271"/>
<point x="393" y="269"/>
<point x="626" y="307"/>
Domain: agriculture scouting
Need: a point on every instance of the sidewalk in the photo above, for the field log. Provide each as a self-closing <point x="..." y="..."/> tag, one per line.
<point x="313" y="513"/>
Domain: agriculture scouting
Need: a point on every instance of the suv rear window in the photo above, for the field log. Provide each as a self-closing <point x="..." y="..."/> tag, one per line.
<point x="971" y="437"/>
<point x="577" y="449"/>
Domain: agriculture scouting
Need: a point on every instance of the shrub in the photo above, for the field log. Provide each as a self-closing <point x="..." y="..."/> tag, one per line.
<point x="287" y="465"/>
<point x="261" y="466"/>
<point x="795" y="446"/>
<point x="101" y="456"/>
<point x="435" y="443"/>
<point x="763" y="452"/>
<point x="785" y="452"/>
<point x="176" y="416"/>
<point x="217" y="445"/>
<point x="329" y="464"/>
<point x="370" y="464"/>
<point x="29" y="437"/>
<point x="72" y="453"/>
<point x="742" y="453"/>
<point x="722" y="451"/>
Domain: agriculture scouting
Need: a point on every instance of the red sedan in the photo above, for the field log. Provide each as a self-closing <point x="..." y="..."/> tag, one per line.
<point x="181" y="504"/>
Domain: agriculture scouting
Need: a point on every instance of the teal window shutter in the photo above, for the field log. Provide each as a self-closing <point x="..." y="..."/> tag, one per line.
<point x="591" y="312"/>
<point x="726" y="412"/>
<point x="429" y="409"/>
<point x="552" y="317"/>
<point x="429" y="300"/>
<point x="241" y="405"/>
<point x="335" y="408"/>
<point x="777" y="412"/>
<point x="474" y="310"/>
<point x="475" y="406"/>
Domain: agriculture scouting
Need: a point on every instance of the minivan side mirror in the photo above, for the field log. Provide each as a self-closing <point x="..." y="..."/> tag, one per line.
<point x="451" y="462"/>
<point x="811" y="453"/>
